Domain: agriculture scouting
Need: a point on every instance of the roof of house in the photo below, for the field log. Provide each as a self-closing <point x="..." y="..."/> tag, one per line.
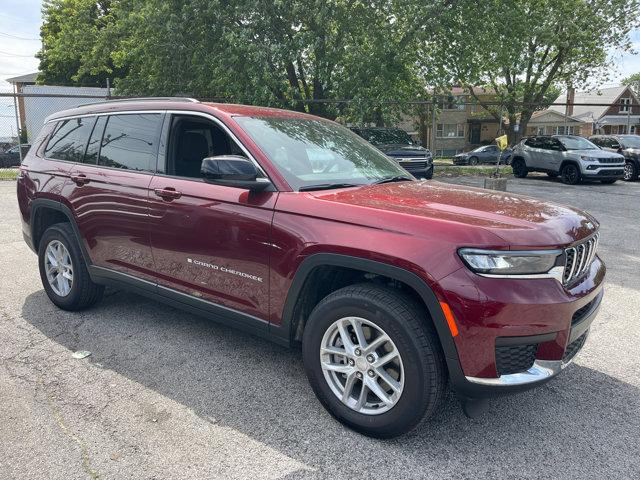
<point x="28" y="78"/>
<point x="605" y="96"/>
<point x="552" y="116"/>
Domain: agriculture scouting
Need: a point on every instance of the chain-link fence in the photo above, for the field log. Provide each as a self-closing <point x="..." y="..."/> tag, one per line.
<point x="446" y="125"/>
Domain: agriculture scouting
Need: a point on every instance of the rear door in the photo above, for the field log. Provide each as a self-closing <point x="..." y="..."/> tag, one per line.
<point x="108" y="191"/>
<point x="210" y="242"/>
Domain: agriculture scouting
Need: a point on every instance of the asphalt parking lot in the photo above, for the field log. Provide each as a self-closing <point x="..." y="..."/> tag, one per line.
<point x="166" y="394"/>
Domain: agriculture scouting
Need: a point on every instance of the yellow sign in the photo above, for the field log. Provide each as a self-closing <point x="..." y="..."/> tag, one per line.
<point x="502" y="142"/>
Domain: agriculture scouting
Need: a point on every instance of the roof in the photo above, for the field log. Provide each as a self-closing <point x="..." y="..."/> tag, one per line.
<point x="224" y="109"/>
<point x="28" y="78"/>
<point x="591" y="113"/>
<point x="545" y="116"/>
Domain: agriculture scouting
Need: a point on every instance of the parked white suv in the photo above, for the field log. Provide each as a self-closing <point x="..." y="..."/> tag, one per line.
<point x="573" y="158"/>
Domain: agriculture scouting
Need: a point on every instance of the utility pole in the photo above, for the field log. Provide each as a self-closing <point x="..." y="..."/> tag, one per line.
<point x="433" y="127"/>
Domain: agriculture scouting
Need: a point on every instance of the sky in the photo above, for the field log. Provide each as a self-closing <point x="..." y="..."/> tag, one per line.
<point x="19" y="41"/>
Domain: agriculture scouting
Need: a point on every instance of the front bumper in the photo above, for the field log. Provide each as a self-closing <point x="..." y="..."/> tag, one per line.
<point x="603" y="173"/>
<point x="517" y="314"/>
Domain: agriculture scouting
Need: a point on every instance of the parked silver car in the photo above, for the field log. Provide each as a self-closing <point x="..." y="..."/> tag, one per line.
<point x="573" y="158"/>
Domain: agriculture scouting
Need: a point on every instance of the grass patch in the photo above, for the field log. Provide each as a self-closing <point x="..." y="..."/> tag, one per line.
<point x="8" y="173"/>
<point x="483" y="171"/>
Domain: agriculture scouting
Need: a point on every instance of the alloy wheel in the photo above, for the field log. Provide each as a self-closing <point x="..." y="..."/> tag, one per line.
<point x="59" y="268"/>
<point x="362" y="365"/>
<point x="628" y="172"/>
<point x="570" y="174"/>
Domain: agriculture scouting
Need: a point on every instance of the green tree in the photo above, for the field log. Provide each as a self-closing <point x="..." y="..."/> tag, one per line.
<point x="69" y="33"/>
<point x="633" y="81"/>
<point x="522" y="48"/>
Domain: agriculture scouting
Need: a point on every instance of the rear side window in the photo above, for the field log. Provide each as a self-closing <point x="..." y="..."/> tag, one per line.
<point x="93" y="148"/>
<point x="130" y="141"/>
<point x="533" y="142"/>
<point x="69" y="139"/>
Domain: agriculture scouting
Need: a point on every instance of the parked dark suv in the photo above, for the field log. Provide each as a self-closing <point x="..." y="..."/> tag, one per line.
<point x="627" y="145"/>
<point x="292" y="227"/>
<point x="398" y="144"/>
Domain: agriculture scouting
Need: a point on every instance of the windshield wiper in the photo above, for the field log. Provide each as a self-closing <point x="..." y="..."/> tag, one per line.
<point x="327" y="186"/>
<point x="397" y="178"/>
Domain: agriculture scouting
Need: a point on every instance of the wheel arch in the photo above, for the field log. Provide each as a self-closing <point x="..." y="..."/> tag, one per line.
<point x="58" y="213"/>
<point x="293" y="324"/>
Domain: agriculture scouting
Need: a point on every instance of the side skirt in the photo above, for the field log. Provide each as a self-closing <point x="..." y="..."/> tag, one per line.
<point x="218" y="313"/>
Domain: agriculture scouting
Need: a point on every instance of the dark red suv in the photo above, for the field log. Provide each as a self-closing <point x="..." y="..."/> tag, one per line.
<point x="292" y="227"/>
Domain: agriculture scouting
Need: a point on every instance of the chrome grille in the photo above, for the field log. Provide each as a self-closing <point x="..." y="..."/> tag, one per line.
<point x="578" y="259"/>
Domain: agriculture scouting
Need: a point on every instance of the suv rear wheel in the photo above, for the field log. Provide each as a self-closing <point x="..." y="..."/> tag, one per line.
<point x="570" y="174"/>
<point x="372" y="361"/>
<point x="63" y="271"/>
<point x="519" y="168"/>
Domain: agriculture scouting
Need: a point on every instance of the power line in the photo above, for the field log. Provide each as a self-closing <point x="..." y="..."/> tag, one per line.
<point x="19" y="38"/>
<point x="9" y="54"/>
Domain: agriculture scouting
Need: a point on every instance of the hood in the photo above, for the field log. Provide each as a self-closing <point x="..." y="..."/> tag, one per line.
<point x="400" y="150"/>
<point x="595" y="153"/>
<point x="425" y="207"/>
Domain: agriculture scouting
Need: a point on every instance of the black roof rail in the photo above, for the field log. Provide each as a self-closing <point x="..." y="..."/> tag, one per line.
<point x="145" y="99"/>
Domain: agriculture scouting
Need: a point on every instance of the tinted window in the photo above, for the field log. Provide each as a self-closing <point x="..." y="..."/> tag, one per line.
<point x="533" y="142"/>
<point x="93" y="148"/>
<point x="69" y="139"/>
<point x="130" y="141"/>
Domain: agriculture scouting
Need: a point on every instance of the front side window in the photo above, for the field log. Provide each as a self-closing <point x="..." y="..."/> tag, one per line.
<point x="130" y="141"/>
<point x="310" y="152"/>
<point x="69" y="139"/>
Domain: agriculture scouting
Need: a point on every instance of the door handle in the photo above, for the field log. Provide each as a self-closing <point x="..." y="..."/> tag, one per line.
<point x="80" y="179"/>
<point x="167" y="193"/>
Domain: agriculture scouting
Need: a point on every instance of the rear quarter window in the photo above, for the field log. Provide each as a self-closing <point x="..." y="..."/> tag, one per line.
<point x="130" y="141"/>
<point x="69" y="139"/>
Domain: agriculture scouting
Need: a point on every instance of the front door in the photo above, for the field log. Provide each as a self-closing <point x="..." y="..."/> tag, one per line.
<point x="211" y="243"/>
<point x="108" y="192"/>
<point x="474" y="133"/>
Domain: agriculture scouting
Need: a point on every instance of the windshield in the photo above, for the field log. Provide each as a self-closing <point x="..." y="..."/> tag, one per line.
<point x="311" y="152"/>
<point x="632" y="141"/>
<point x="577" y="143"/>
<point x="386" y="136"/>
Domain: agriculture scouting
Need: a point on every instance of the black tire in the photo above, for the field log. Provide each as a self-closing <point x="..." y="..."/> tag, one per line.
<point x="609" y="181"/>
<point x="570" y="174"/>
<point x="473" y="161"/>
<point x="429" y="174"/>
<point x="83" y="293"/>
<point x="406" y="324"/>
<point x="519" y="168"/>
<point x="630" y="171"/>
<point x="552" y="174"/>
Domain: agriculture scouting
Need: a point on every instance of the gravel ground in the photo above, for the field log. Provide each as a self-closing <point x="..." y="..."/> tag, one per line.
<point x="169" y="395"/>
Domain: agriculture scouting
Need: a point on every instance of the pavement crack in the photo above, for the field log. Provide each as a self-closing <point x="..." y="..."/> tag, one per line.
<point x="59" y="419"/>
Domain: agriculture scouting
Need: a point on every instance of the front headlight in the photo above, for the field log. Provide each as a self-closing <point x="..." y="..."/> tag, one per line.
<point x="587" y="159"/>
<point x="497" y="263"/>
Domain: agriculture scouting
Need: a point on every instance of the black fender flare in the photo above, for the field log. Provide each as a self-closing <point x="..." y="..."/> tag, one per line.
<point x="370" y="266"/>
<point x="39" y="203"/>
<point x="567" y="162"/>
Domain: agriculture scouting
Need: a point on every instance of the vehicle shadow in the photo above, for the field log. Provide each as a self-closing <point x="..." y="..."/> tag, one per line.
<point x="582" y="424"/>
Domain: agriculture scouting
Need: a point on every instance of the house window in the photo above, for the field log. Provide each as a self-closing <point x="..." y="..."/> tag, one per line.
<point x="454" y="103"/>
<point x="450" y="130"/>
<point x="538" y="130"/>
<point x="633" y="129"/>
<point x="564" y="130"/>
<point x="625" y="104"/>
<point x="447" y="152"/>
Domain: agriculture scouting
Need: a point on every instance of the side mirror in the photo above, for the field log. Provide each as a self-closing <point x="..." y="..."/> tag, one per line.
<point x="232" y="171"/>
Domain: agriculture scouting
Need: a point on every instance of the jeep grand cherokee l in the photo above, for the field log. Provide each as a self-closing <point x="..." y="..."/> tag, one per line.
<point x="398" y="144"/>
<point x="573" y="158"/>
<point x="393" y="287"/>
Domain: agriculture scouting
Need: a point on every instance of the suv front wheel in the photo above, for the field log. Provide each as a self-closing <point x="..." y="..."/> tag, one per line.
<point x="372" y="360"/>
<point x="570" y="174"/>
<point x="519" y="168"/>
<point x="63" y="270"/>
<point x="630" y="171"/>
